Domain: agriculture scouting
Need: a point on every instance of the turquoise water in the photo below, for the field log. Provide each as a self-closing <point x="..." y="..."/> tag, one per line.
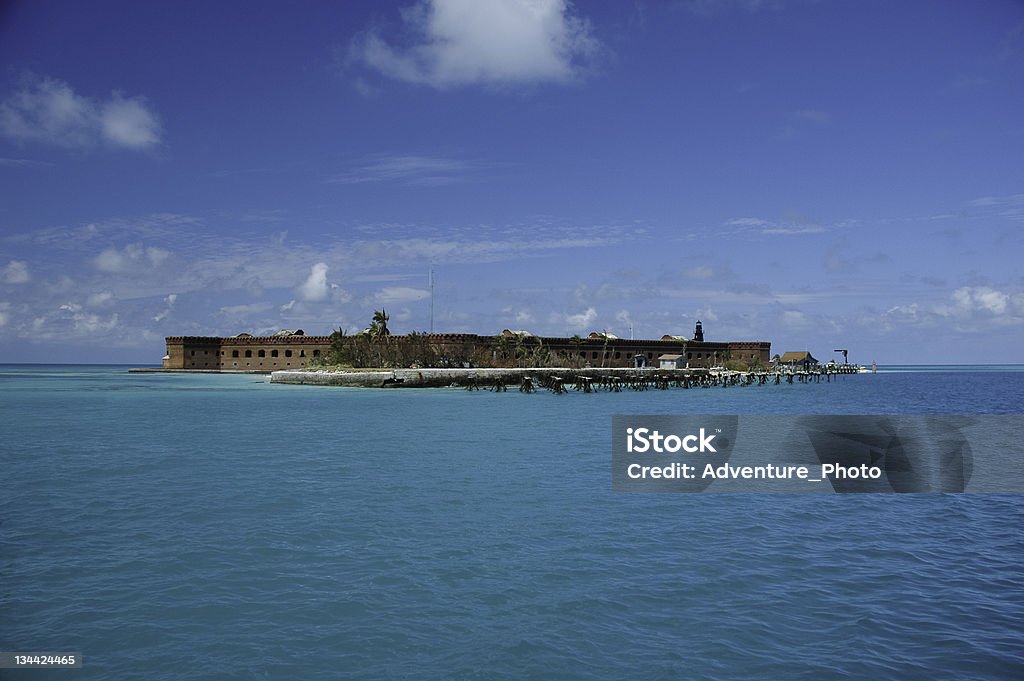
<point x="174" y="526"/>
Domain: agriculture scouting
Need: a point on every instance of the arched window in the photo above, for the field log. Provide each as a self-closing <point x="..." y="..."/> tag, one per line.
<point x="316" y="353"/>
<point x="273" y="353"/>
<point x="234" y="353"/>
<point x="262" y="353"/>
<point x="248" y="353"/>
<point x="287" y="353"/>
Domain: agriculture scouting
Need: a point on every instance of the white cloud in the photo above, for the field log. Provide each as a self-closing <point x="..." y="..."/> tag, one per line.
<point x="169" y="302"/>
<point x="581" y="320"/>
<point x="759" y="226"/>
<point x="22" y="163"/>
<point x="88" y="323"/>
<point x="128" y="123"/>
<point x="71" y="320"/>
<point x="462" y="42"/>
<point x="399" y="294"/>
<point x="747" y="222"/>
<point x="131" y="257"/>
<point x="708" y="8"/>
<point x="970" y="309"/>
<point x="707" y="314"/>
<point x="315" y="288"/>
<point x="984" y="300"/>
<point x="99" y="299"/>
<point x="408" y="169"/>
<point x="387" y="252"/>
<point x="523" y="317"/>
<point x="4" y="317"/>
<point x="110" y="260"/>
<point x="795" y="320"/>
<point x="700" y="272"/>
<point x="794" y="229"/>
<point x="1012" y="199"/>
<point x="237" y="312"/>
<point x="48" y="111"/>
<point x="16" y="272"/>
<point x="156" y="255"/>
<point x="1010" y="206"/>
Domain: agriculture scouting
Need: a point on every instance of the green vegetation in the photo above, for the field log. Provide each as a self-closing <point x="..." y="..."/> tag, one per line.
<point x="375" y="347"/>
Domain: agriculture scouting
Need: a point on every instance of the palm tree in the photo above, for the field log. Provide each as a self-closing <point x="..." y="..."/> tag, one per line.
<point x="379" y="326"/>
<point x="503" y="347"/>
<point x="521" y="350"/>
<point x="576" y="342"/>
<point x="540" y="353"/>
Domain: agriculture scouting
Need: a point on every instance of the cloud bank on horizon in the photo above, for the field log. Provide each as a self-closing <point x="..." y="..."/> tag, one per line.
<point x="560" y="167"/>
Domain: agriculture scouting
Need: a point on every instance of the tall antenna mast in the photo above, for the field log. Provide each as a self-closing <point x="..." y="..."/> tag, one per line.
<point x="431" y="277"/>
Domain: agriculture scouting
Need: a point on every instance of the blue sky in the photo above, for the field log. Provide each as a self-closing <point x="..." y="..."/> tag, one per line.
<point x="819" y="174"/>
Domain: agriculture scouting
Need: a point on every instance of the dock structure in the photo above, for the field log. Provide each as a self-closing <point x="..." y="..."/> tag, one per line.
<point x="557" y="381"/>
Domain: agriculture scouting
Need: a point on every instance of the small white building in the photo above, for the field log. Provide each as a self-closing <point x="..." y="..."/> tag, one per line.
<point x="671" y="362"/>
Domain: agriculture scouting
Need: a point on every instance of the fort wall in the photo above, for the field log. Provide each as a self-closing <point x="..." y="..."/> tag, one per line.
<point x="272" y="353"/>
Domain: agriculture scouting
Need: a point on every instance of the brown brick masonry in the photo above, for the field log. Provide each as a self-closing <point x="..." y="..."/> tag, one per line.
<point x="271" y="353"/>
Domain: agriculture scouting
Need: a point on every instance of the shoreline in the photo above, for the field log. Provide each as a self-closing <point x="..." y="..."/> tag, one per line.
<point x="443" y="378"/>
<point x="555" y="379"/>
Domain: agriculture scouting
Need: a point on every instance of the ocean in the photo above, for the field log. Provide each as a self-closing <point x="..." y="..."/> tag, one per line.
<point x="183" y="526"/>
